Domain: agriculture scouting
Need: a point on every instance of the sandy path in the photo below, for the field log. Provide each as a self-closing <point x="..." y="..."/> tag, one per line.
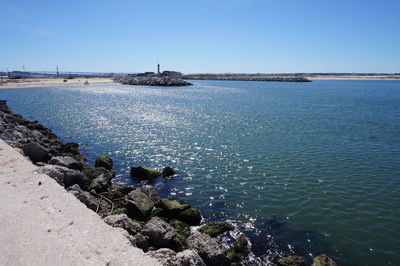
<point x="48" y="82"/>
<point x="45" y="225"/>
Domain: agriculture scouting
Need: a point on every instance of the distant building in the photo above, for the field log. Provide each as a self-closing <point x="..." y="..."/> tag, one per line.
<point x="168" y="73"/>
<point x="145" y="74"/>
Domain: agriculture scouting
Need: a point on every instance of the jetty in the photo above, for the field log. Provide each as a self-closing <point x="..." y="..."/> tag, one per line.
<point x="152" y="81"/>
<point x="248" y="77"/>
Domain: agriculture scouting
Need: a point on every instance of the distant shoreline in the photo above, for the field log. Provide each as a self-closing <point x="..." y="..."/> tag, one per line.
<point x="48" y="82"/>
<point x="353" y="77"/>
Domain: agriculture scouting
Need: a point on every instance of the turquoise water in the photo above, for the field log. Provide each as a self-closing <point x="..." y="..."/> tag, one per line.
<point x="305" y="167"/>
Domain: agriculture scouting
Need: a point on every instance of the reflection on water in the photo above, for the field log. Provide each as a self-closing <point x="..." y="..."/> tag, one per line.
<point x="302" y="167"/>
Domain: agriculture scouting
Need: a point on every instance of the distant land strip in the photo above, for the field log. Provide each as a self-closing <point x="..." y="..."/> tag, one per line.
<point x="249" y="77"/>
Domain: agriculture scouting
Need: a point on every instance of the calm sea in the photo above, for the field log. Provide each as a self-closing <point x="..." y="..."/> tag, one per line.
<point x="302" y="167"/>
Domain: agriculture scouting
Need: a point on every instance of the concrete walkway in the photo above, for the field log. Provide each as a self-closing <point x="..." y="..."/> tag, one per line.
<point x="42" y="224"/>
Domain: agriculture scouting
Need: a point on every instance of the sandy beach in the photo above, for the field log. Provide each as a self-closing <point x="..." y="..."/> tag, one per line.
<point x="48" y="82"/>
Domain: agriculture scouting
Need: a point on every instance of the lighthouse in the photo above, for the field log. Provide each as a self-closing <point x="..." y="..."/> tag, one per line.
<point x="158" y="69"/>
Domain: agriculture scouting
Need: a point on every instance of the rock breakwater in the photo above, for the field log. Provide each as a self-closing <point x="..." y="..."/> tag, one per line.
<point x="237" y="77"/>
<point x="152" y="81"/>
<point x="168" y="229"/>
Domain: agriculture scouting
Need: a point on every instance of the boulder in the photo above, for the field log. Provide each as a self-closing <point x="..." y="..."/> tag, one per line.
<point x="160" y="233"/>
<point x="209" y="249"/>
<point x="93" y="173"/>
<point x="118" y="191"/>
<point x="190" y="216"/>
<point x="140" y="241"/>
<point x="36" y="152"/>
<point x="323" y="260"/>
<point x="292" y="261"/>
<point x="138" y="204"/>
<point x="173" y="206"/>
<point x="182" y="233"/>
<point x="100" y="184"/>
<point x="144" y="173"/>
<point x="165" y="256"/>
<point x="242" y="245"/>
<point x="85" y="197"/>
<point x="72" y="148"/>
<point x="104" y="161"/>
<point x="216" y="228"/>
<point x="168" y="171"/>
<point x="123" y="221"/>
<point x="66" y="161"/>
<point x="65" y="176"/>
<point x="152" y="193"/>
<point x="189" y="257"/>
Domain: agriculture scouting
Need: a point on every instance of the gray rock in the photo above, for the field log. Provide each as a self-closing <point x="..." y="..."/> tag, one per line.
<point x="123" y="221"/>
<point x="323" y="260"/>
<point x="190" y="216"/>
<point x="152" y="81"/>
<point x="165" y="256"/>
<point x="138" y="204"/>
<point x="66" y="161"/>
<point x="292" y="261"/>
<point x="173" y="206"/>
<point x="64" y="176"/>
<point x="152" y="193"/>
<point x="214" y="229"/>
<point x="140" y="241"/>
<point x="85" y="197"/>
<point x="209" y="249"/>
<point x="189" y="257"/>
<point x="168" y="171"/>
<point x="100" y="184"/>
<point x="117" y="191"/>
<point x="36" y="152"/>
<point x="145" y="173"/>
<point x="104" y="161"/>
<point x="160" y="233"/>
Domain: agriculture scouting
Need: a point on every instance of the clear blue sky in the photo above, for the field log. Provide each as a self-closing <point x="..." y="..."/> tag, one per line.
<point x="201" y="36"/>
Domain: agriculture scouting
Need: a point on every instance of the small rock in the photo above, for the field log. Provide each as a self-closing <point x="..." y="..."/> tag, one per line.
<point x="166" y="256"/>
<point x="93" y="173"/>
<point x="141" y="241"/>
<point x="242" y="245"/>
<point x="216" y="228"/>
<point x="209" y="249"/>
<point x="190" y="216"/>
<point x="100" y="184"/>
<point x="152" y="193"/>
<point x="123" y="221"/>
<point x="139" y="205"/>
<point x="189" y="257"/>
<point x="117" y="191"/>
<point x="144" y="173"/>
<point x="168" y="171"/>
<point x="323" y="260"/>
<point x="85" y="197"/>
<point x="173" y="206"/>
<point x="104" y="161"/>
<point x="292" y="261"/>
<point x="160" y="233"/>
<point x="72" y="148"/>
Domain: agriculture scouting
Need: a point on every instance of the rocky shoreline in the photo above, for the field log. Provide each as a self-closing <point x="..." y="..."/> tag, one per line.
<point x="168" y="229"/>
<point x="152" y="81"/>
